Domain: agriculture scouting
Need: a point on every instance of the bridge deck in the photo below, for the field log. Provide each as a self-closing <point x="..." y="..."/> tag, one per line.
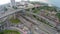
<point x="9" y="12"/>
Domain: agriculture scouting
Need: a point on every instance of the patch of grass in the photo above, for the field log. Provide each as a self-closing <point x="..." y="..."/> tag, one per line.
<point x="36" y="11"/>
<point x="15" y="20"/>
<point x="1" y="33"/>
<point x="9" y="32"/>
<point x="34" y="16"/>
<point x="27" y="9"/>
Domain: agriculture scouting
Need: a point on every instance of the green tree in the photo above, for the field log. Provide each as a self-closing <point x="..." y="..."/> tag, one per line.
<point x="5" y="9"/>
<point x="14" y="7"/>
<point x="49" y="8"/>
<point x="58" y="15"/>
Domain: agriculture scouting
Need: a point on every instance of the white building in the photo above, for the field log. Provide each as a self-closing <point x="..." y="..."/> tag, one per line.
<point x="13" y="3"/>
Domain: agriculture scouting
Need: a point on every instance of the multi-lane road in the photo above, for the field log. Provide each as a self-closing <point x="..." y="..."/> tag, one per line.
<point x="42" y="26"/>
<point x="37" y="27"/>
<point x="51" y="22"/>
<point x="28" y="24"/>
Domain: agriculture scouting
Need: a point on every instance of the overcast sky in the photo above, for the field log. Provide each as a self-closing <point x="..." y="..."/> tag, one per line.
<point x="7" y="1"/>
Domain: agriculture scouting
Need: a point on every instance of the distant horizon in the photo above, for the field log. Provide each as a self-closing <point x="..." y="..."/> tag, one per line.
<point x="54" y="2"/>
<point x="8" y="1"/>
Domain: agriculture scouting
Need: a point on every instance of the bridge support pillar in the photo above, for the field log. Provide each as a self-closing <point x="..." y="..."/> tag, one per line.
<point x="30" y="10"/>
<point x="58" y="27"/>
<point x="14" y="16"/>
<point x="2" y="27"/>
<point x="0" y="20"/>
<point x="35" y="8"/>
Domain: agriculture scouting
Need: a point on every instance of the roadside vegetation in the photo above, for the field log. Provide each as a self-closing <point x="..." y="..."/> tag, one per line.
<point x="16" y="21"/>
<point x="9" y="32"/>
<point x="5" y="9"/>
<point x="36" y="11"/>
<point x="43" y="21"/>
<point x="14" y="7"/>
<point x="58" y="15"/>
<point x="46" y="9"/>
